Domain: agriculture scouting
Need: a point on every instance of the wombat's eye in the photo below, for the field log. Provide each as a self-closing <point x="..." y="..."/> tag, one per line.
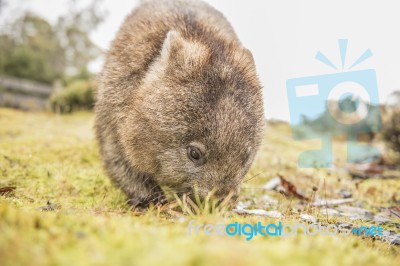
<point x="194" y="155"/>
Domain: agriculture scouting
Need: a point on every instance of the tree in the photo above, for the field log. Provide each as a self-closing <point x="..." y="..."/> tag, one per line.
<point x="2" y="4"/>
<point x="74" y="30"/>
<point x="391" y="131"/>
<point x="35" y="49"/>
<point x="32" y="50"/>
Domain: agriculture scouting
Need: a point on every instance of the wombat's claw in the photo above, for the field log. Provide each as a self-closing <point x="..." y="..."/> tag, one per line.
<point x="161" y="202"/>
<point x="142" y="204"/>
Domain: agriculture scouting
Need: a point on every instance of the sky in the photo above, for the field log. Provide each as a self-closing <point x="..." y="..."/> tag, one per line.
<point x="284" y="37"/>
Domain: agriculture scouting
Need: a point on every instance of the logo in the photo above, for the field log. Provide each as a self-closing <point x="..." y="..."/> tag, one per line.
<point x="249" y="231"/>
<point x="344" y="103"/>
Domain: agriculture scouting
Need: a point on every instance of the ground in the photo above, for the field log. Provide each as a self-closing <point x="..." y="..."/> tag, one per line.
<point x="55" y="158"/>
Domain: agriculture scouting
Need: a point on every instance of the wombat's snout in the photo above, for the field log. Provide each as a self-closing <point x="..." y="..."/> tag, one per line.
<point x="218" y="196"/>
<point x="230" y="199"/>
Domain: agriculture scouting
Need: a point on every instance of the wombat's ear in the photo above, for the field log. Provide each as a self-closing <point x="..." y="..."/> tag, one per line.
<point x="179" y="50"/>
<point x="171" y="42"/>
<point x="244" y="58"/>
<point x="248" y="56"/>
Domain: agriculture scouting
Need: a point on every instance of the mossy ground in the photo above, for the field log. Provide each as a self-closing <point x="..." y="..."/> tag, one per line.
<point x="52" y="157"/>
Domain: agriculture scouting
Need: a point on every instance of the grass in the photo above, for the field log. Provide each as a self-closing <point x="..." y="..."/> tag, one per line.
<point x="51" y="157"/>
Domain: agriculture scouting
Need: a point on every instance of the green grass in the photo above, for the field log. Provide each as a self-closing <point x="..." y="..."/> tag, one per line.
<point x="51" y="157"/>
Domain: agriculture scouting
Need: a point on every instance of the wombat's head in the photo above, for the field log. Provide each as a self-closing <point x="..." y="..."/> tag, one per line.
<point x="197" y="119"/>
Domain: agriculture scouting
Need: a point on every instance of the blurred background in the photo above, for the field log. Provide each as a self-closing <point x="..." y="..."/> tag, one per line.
<point x="51" y="51"/>
<point x="62" y="42"/>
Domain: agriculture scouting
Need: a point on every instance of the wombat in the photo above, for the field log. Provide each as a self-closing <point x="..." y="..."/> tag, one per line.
<point x="179" y="104"/>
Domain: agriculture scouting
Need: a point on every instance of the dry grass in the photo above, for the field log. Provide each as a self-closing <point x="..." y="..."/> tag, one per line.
<point x="50" y="157"/>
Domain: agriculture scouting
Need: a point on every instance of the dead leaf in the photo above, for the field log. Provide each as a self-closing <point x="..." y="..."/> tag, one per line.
<point x="395" y="210"/>
<point x="6" y="190"/>
<point x="371" y="170"/>
<point x="371" y="191"/>
<point x="290" y="189"/>
<point x="365" y="171"/>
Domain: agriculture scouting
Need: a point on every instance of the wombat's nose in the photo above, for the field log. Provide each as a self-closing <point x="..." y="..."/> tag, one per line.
<point x="220" y="196"/>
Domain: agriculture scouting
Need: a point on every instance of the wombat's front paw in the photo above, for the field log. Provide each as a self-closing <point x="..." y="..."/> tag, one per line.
<point x="141" y="204"/>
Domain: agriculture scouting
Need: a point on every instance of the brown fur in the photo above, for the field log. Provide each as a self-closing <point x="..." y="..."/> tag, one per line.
<point x="176" y="75"/>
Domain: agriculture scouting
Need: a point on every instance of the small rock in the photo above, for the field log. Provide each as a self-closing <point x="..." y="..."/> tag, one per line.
<point x="355" y="213"/>
<point x="394" y="240"/>
<point x="273" y="183"/>
<point x="331" y="202"/>
<point x="259" y="212"/>
<point x="381" y="219"/>
<point x="80" y="234"/>
<point x="389" y="212"/>
<point x="267" y="200"/>
<point x="308" y="218"/>
<point x="50" y="206"/>
<point x="346" y="225"/>
<point x="351" y="209"/>
<point x="241" y="205"/>
<point x="345" y="194"/>
<point x="391" y="237"/>
<point x="329" y="212"/>
<point x="355" y="216"/>
<point x="274" y="214"/>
